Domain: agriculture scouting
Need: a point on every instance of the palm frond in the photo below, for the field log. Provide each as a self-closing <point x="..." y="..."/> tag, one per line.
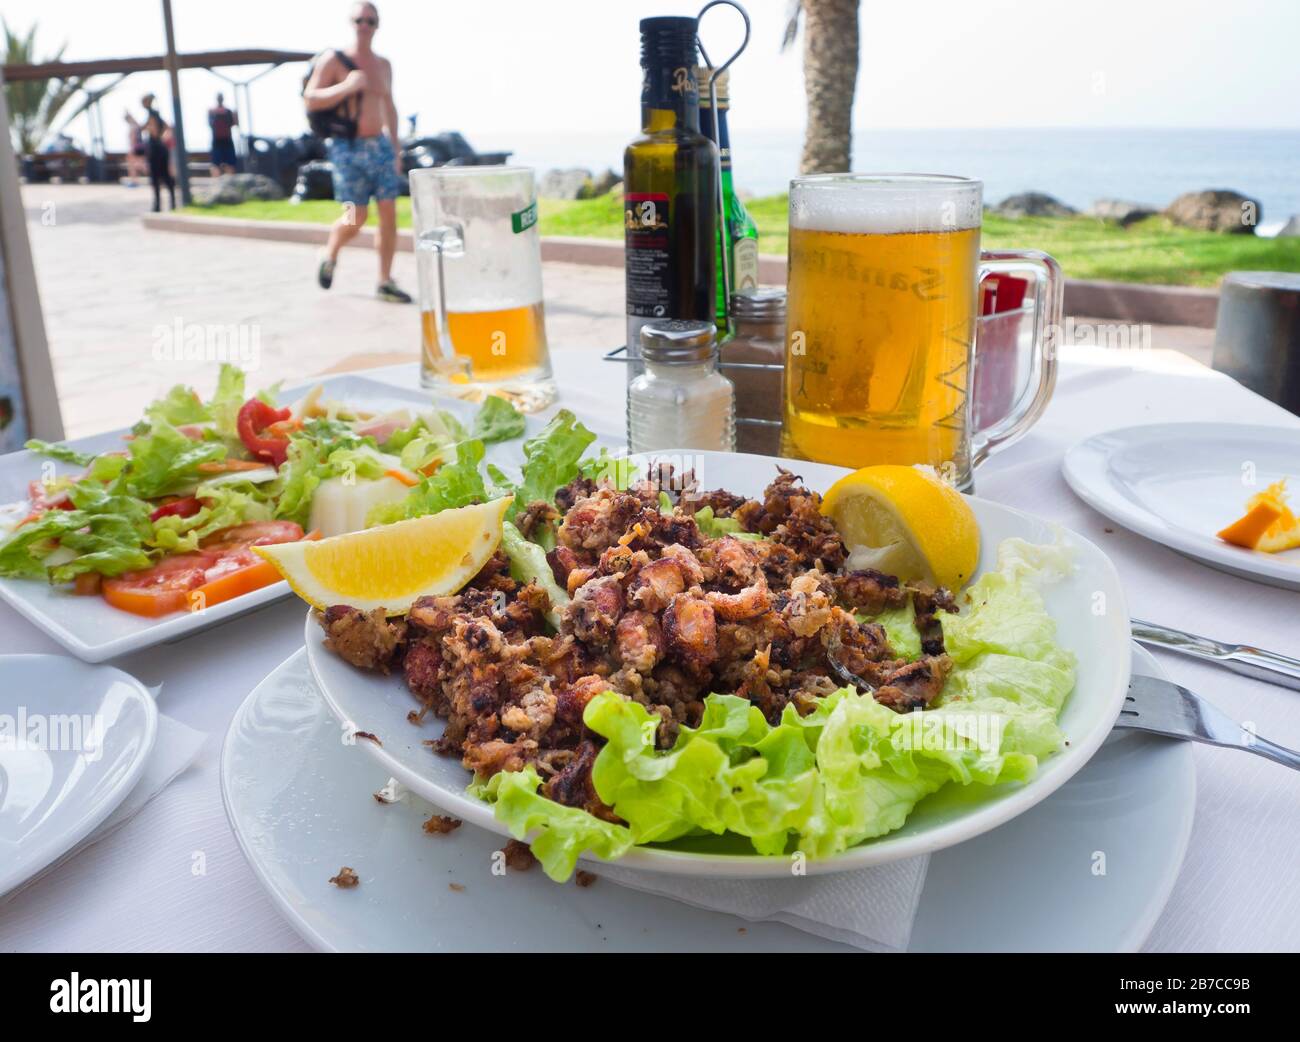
<point x="792" y="25"/>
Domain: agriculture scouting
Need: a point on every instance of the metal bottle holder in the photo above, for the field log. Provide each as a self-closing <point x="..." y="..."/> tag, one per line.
<point x="619" y="354"/>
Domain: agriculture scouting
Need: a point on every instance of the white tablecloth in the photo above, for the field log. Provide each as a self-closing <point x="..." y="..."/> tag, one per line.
<point x="139" y="889"/>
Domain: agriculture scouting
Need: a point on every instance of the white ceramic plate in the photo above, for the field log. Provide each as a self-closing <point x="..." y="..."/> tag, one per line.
<point x="93" y="630"/>
<point x="1179" y="483"/>
<point x="74" y="740"/>
<point x="300" y="804"/>
<point x="379" y="704"/>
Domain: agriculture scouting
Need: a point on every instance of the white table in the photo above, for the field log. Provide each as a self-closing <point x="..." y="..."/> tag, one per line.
<point x="174" y="879"/>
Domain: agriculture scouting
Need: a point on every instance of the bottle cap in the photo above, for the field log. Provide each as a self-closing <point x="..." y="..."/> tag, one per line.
<point x="763" y="303"/>
<point x="668" y="41"/>
<point x="702" y="75"/>
<point x="677" y="341"/>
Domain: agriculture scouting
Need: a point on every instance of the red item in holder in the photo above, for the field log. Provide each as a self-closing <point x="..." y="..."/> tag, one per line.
<point x="1000" y="293"/>
<point x="997" y="348"/>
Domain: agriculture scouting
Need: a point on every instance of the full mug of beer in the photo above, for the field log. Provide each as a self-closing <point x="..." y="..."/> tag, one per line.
<point x="479" y="266"/>
<point x="880" y="332"/>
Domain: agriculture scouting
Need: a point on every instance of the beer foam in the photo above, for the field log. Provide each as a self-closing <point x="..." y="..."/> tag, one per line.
<point x="885" y="204"/>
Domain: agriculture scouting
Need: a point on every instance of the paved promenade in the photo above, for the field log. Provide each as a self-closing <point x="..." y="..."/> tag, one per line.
<point x="118" y="298"/>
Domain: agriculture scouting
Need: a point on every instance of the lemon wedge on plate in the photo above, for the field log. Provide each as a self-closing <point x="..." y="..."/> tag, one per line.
<point x="905" y="521"/>
<point x="390" y="566"/>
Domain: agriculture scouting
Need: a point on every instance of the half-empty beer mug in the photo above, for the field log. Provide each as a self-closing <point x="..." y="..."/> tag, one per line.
<point x="880" y="332"/>
<point x="479" y="265"/>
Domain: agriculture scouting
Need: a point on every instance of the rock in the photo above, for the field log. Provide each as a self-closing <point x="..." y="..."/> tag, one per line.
<point x="1292" y="227"/>
<point x="1120" y="210"/>
<point x="564" y="184"/>
<point x="600" y="185"/>
<point x="229" y="189"/>
<point x="1216" y="210"/>
<point x="1033" y="204"/>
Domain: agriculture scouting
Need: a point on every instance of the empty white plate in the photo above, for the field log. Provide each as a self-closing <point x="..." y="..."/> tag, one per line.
<point x="1088" y="869"/>
<point x="1180" y="483"/>
<point x="74" y="739"/>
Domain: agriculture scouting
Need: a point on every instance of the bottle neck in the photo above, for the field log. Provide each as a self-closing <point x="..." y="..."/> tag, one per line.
<point x="724" y="137"/>
<point x="670" y="99"/>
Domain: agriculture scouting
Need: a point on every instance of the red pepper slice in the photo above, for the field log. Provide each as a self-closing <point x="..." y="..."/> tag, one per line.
<point x="185" y="506"/>
<point x="254" y="417"/>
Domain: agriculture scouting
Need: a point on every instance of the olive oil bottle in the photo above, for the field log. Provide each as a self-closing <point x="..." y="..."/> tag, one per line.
<point x="739" y="235"/>
<point x="670" y="177"/>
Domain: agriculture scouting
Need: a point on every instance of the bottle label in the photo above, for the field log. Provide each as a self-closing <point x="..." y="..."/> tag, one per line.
<point x="744" y="258"/>
<point x="648" y="260"/>
<point x="522" y="220"/>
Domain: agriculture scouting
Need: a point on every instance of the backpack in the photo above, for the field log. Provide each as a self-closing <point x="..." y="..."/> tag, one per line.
<point x="341" y="120"/>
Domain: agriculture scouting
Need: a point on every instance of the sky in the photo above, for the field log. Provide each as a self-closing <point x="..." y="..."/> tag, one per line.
<point x="493" y="68"/>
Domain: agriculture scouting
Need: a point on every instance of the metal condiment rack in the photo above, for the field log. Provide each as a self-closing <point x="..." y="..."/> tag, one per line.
<point x="619" y="354"/>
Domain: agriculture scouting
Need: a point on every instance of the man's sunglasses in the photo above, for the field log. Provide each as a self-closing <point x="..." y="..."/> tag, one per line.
<point x="366" y="20"/>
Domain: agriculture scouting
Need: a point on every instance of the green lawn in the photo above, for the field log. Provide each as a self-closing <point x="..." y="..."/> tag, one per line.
<point x="1150" y="251"/>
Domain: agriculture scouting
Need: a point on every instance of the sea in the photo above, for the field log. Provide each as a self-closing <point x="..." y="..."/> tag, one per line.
<point x="1076" y="165"/>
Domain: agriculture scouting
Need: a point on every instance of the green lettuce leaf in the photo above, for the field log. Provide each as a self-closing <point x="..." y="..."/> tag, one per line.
<point x="551" y="460"/>
<point x="562" y="833"/>
<point x="105" y="531"/>
<point x="227" y="400"/>
<point x="55" y="450"/>
<point x="717" y="527"/>
<point x="178" y="406"/>
<point x="455" y="484"/>
<point x="224" y="505"/>
<point x="528" y="562"/>
<point x="497" y="420"/>
<point x="616" y="471"/>
<point x="165" y="461"/>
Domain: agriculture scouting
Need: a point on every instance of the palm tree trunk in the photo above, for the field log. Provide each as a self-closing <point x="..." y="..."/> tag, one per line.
<point x="830" y="72"/>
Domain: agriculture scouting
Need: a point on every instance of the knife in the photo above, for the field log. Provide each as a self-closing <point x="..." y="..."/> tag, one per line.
<point x="1240" y="658"/>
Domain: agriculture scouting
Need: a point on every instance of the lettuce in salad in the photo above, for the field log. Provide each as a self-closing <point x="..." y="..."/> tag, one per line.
<point x="849" y="771"/>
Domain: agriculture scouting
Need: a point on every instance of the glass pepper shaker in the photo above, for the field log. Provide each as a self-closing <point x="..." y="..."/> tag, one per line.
<point x="756" y="355"/>
<point x="680" y="400"/>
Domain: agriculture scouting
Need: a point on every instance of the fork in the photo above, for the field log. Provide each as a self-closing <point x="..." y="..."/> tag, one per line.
<point x="1162" y="707"/>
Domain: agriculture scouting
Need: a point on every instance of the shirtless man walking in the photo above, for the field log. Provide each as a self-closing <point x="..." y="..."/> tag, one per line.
<point x="358" y="83"/>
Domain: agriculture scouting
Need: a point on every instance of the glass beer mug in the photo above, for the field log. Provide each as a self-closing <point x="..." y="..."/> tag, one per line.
<point x="880" y="331"/>
<point x="479" y="266"/>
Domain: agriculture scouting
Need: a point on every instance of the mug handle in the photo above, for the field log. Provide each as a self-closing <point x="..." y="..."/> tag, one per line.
<point x="446" y="240"/>
<point x="1049" y="287"/>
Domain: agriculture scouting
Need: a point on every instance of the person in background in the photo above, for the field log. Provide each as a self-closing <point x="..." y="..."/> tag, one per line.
<point x="222" y="122"/>
<point x="158" y="154"/>
<point x="136" y="166"/>
<point x="368" y="162"/>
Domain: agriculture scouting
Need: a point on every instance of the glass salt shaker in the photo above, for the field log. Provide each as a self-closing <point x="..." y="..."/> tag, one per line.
<point x="680" y="400"/>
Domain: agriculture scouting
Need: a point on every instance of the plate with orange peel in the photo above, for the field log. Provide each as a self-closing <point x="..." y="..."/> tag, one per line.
<point x="1216" y="492"/>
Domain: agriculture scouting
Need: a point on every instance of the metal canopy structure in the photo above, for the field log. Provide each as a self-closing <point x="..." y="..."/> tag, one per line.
<point x="171" y="63"/>
<point x="153" y="63"/>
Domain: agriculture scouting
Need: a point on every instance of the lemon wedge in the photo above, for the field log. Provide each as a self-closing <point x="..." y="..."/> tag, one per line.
<point x="390" y="566"/>
<point x="905" y="521"/>
<point x="1269" y="525"/>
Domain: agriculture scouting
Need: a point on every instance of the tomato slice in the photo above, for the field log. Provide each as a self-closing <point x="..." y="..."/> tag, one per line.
<point x="182" y="506"/>
<point x="252" y="533"/>
<point x="223" y="568"/>
<point x="159" y="590"/>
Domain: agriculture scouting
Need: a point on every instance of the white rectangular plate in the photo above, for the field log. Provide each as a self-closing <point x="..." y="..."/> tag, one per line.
<point x="95" y="631"/>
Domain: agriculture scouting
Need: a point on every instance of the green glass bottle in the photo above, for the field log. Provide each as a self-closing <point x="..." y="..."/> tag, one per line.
<point x="740" y="233"/>
<point x="670" y="178"/>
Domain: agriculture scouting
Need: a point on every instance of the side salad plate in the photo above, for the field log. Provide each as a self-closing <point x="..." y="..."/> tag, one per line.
<point x="94" y="533"/>
<point x="1038" y="651"/>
